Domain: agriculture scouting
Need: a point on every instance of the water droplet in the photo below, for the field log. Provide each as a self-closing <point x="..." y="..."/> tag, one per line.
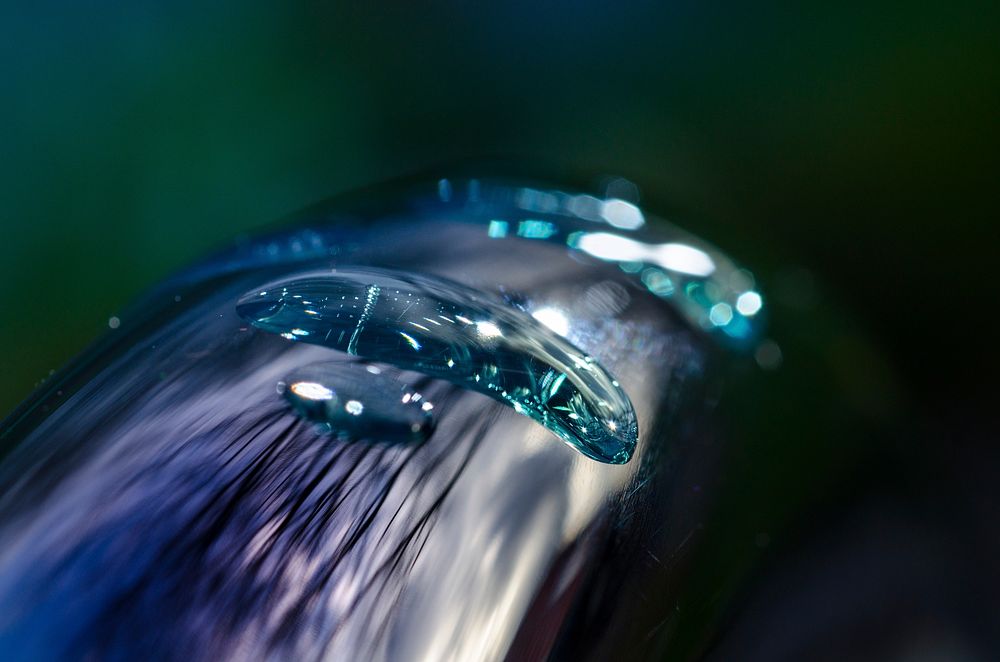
<point x="452" y="332"/>
<point x="356" y="402"/>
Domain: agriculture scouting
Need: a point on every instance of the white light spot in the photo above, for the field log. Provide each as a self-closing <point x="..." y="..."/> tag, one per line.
<point x="311" y="391"/>
<point x="299" y="332"/>
<point x="353" y="407"/>
<point x="685" y="259"/>
<point x="552" y="318"/>
<point x="607" y="246"/>
<point x="681" y="258"/>
<point x="622" y="214"/>
<point x="114" y="322"/>
<point x="749" y="303"/>
<point x="488" y="329"/>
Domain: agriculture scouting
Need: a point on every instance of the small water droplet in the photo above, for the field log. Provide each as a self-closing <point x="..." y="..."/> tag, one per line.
<point x="355" y="402"/>
<point x="489" y="347"/>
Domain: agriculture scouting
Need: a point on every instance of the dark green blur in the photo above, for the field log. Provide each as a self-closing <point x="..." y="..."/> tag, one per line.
<point x="846" y="155"/>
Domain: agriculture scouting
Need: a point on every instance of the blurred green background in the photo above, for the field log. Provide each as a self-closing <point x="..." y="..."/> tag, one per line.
<point x="846" y="154"/>
<point x="854" y="141"/>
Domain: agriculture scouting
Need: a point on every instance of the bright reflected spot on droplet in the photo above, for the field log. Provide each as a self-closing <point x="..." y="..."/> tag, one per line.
<point x="311" y="391"/>
<point x="673" y="256"/>
<point x="410" y="340"/>
<point x="721" y="314"/>
<point x="607" y="246"/>
<point x="554" y="319"/>
<point x="488" y="329"/>
<point x="622" y="214"/>
<point x="749" y="303"/>
<point x="685" y="259"/>
<point x="353" y="407"/>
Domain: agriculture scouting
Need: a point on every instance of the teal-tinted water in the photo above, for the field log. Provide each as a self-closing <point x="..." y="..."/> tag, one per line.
<point x="355" y="401"/>
<point x="452" y="332"/>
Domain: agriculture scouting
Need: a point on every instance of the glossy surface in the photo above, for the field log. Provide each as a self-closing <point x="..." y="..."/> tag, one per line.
<point x="158" y="498"/>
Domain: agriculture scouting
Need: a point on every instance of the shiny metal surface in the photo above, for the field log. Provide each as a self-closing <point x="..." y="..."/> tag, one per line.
<point x="159" y="498"/>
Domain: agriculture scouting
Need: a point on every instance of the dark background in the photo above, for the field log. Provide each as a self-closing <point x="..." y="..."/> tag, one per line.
<point x="846" y="154"/>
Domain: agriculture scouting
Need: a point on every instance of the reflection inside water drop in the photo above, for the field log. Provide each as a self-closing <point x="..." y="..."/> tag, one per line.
<point x="356" y="401"/>
<point x="452" y="332"/>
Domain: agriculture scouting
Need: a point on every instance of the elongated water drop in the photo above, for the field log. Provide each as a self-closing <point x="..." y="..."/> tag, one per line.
<point x="450" y="331"/>
<point x="358" y="401"/>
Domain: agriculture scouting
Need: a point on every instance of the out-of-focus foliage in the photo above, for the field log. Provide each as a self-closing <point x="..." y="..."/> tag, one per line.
<point x="136" y="136"/>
